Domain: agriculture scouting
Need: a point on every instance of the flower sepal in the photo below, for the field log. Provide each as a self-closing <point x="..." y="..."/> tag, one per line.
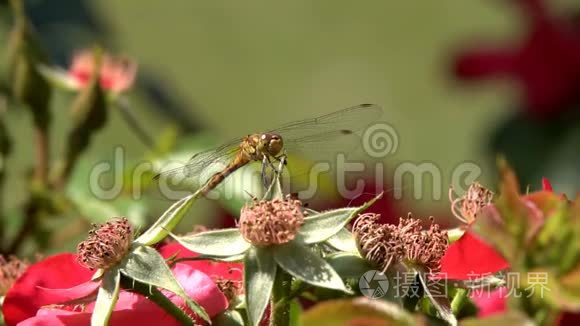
<point x="435" y="291"/>
<point x="167" y="221"/>
<point x="320" y="227"/>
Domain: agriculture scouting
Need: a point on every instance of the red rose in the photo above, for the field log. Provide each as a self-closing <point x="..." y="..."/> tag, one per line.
<point x="60" y="278"/>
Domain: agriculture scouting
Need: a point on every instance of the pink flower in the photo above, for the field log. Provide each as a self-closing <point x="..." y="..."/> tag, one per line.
<point x="117" y="73"/>
<point x="49" y="282"/>
<point x="490" y="302"/>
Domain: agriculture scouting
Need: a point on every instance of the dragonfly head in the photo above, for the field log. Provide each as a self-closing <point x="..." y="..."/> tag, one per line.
<point x="271" y="143"/>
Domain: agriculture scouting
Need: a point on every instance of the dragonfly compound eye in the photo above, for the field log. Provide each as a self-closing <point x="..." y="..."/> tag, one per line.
<point x="274" y="144"/>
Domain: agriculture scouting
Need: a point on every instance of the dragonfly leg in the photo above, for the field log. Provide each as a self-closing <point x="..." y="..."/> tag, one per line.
<point x="265" y="164"/>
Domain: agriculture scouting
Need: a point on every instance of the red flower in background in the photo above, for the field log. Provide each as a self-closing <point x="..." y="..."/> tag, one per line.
<point x="470" y="257"/>
<point x="546" y="63"/>
<point x="387" y="207"/>
<point x="117" y="73"/>
<point x="26" y="301"/>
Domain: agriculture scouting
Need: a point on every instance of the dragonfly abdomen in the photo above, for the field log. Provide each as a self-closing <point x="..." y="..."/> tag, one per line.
<point x="217" y="178"/>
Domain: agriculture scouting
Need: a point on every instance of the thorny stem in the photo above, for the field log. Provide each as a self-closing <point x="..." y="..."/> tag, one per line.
<point x="280" y="315"/>
<point x="153" y="294"/>
<point x="32" y="212"/>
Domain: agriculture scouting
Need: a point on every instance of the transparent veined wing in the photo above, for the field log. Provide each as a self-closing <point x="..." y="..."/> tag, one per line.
<point x="330" y="133"/>
<point x="351" y="119"/>
<point x="201" y="161"/>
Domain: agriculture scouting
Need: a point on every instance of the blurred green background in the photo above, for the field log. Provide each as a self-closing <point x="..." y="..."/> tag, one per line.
<point x="233" y="67"/>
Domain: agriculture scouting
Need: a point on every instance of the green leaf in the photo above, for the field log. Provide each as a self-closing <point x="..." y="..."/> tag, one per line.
<point x="343" y="240"/>
<point x="146" y="265"/>
<point x="259" y="274"/>
<point x="219" y="243"/>
<point x="161" y="228"/>
<point x="295" y="312"/>
<point x="230" y="259"/>
<point x="348" y="265"/>
<point x="58" y="77"/>
<point x="106" y="298"/>
<point x="352" y="269"/>
<point x="101" y="211"/>
<point x="303" y="264"/>
<point x="455" y="233"/>
<point x="96" y="211"/>
<point x="322" y="226"/>
<point x="362" y="310"/>
<point x="561" y="292"/>
<point x="437" y="293"/>
<point x="228" y="318"/>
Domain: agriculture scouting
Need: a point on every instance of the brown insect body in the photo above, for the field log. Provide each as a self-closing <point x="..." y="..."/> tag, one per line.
<point x="254" y="147"/>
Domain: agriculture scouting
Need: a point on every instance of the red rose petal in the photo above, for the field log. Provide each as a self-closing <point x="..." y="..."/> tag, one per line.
<point x="230" y="271"/>
<point x="546" y="185"/>
<point x="469" y="258"/>
<point x="490" y="302"/>
<point x="25" y="296"/>
<point x="69" y="294"/>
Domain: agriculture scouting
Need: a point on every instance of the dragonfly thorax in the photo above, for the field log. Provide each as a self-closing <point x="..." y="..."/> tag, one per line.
<point x="258" y="146"/>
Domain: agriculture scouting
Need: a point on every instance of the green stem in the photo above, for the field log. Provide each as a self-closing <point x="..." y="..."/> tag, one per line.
<point x="458" y="300"/>
<point x="153" y="294"/>
<point x="280" y="315"/>
<point x="134" y="124"/>
<point x="42" y="153"/>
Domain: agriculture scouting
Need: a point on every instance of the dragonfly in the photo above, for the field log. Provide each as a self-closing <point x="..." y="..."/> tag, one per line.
<point x="305" y="136"/>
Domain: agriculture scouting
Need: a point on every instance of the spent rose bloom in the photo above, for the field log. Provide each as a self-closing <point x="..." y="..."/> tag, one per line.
<point x="117" y="74"/>
<point x="34" y="297"/>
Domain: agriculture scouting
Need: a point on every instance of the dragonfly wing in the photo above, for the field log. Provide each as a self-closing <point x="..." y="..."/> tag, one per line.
<point x="321" y="137"/>
<point x="202" y="161"/>
<point x="323" y="146"/>
<point x="343" y="121"/>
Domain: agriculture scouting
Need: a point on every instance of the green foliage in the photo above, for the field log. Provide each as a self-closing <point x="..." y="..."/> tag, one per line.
<point x="106" y="297"/>
<point x="259" y="274"/>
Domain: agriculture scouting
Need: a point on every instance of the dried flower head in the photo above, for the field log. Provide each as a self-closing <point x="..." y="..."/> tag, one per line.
<point x="271" y="222"/>
<point x="106" y="245"/>
<point x="378" y="243"/>
<point x="230" y="288"/>
<point x="425" y="248"/>
<point x="10" y="271"/>
<point x="386" y="244"/>
<point x="466" y="207"/>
